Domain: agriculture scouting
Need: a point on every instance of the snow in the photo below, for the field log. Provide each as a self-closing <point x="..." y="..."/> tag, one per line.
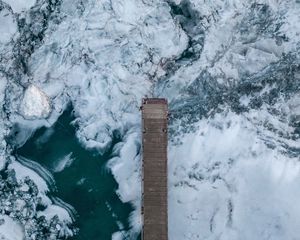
<point x="8" y="26"/>
<point x="231" y="50"/>
<point x="53" y="210"/>
<point x="43" y="180"/>
<point x="291" y="28"/>
<point x="98" y="76"/>
<point x="125" y="168"/>
<point x="35" y="103"/>
<point x="10" y="229"/>
<point x="232" y="175"/>
<point x="226" y="182"/>
<point x="19" y="6"/>
<point x="22" y="172"/>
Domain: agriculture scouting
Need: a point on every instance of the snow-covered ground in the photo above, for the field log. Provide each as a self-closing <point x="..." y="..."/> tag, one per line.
<point x="230" y="70"/>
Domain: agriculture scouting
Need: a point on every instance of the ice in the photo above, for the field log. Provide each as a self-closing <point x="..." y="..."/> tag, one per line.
<point x="230" y="72"/>
<point x="53" y="210"/>
<point x="103" y="64"/>
<point x="8" y="30"/>
<point x="63" y="163"/>
<point x="10" y="229"/>
<point x="43" y="180"/>
<point x="8" y="26"/>
<point x="235" y="45"/>
<point x="225" y="182"/>
<point x="117" y="236"/>
<point x="96" y="80"/>
<point x="22" y="172"/>
<point x="20" y="5"/>
<point x="35" y="103"/>
<point x="126" y="170"/>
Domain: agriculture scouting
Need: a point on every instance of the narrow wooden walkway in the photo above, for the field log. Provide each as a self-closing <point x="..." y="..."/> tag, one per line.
<point x="155" y="192"/>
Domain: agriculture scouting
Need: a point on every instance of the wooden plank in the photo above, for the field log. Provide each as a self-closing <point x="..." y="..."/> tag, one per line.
<point x="154" y="154"/>
<point x="155" y="191"/>
<point x="153" y="120"/>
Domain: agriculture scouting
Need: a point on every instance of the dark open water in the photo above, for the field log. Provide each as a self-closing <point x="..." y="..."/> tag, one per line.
<point x="86" y="184"/>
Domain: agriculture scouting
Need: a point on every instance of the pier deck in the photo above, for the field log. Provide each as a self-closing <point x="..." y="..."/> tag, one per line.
<point x="154" y="189"/>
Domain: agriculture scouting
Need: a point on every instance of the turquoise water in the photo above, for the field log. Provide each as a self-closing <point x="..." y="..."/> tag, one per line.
<point x="86" y="184"/>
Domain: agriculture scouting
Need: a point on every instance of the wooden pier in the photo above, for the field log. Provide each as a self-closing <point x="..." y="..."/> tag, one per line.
<point x="154" y="189"/>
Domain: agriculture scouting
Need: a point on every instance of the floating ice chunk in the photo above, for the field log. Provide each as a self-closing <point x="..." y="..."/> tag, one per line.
<point x="63" y="163"/>
<point x="20" y="5"/>
<point x="117" y="236"/>
<point x="35" y="104"/>
<point x="10" y="229"/>
<point x="81" y="181"/>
